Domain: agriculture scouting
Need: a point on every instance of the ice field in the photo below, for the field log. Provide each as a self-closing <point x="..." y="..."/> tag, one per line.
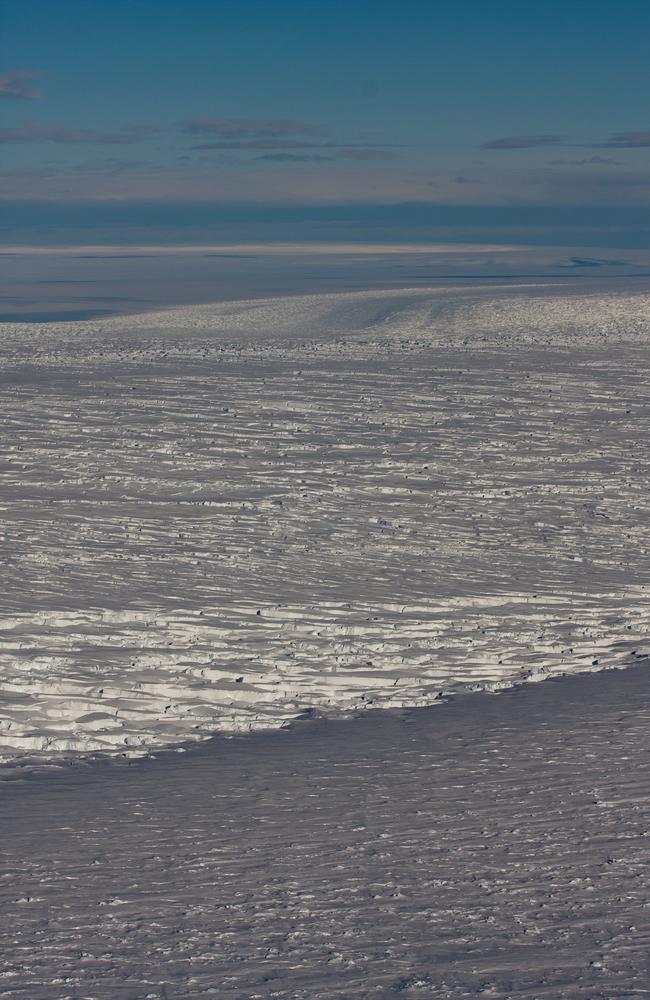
<point x="216" y="518"/>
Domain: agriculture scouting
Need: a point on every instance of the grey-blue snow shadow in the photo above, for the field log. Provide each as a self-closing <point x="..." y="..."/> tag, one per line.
<point x="54" y="316"/>
<point x="594" y="262"/>
<point x="43" y="286"/>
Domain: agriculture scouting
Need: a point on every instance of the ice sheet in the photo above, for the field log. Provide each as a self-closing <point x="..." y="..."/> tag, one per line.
<point x="217" y="517"/>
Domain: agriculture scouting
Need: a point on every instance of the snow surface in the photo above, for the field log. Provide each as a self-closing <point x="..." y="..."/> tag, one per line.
<point x="217" y="517"/>
<point x="497" y="847"/>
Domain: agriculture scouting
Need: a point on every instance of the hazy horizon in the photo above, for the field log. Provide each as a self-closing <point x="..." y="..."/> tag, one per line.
<point x="157" y="122"/>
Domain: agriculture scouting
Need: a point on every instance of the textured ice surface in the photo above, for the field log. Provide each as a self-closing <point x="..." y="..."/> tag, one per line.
<point x="216" y="517"/>
<point x="497" y="848"/>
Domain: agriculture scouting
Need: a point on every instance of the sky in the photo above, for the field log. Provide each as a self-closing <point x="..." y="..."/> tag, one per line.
<point x="388" y="119"/>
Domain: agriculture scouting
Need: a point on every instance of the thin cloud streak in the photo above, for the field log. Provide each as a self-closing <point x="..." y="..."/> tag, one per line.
<point x="586" y="161"/>
<point x="628" y="140"/>
<point x="294" y="144"/>
<point x="523" y="142"/>
<point x="360" y="154"/>
<point x="619" y="140"/>
<point x="249" y="128"/>
<point x="263" y="144"/>
<point x="14" y="84"/>
<point x="365" y="153"/>
<point x="295" y="158"/>
<point x="31" y="131"/>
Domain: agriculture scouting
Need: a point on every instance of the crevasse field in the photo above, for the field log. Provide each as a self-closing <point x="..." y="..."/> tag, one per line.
<point x="219" y="517"/>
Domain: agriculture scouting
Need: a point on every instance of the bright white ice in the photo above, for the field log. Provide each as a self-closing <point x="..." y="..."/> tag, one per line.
<point x="217" y="517"/>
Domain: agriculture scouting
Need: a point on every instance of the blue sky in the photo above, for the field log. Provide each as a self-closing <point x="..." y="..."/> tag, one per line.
<point x="260" y="104"/>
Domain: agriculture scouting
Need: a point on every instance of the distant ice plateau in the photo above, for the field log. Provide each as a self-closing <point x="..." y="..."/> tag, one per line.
<point x="214" y="518"/>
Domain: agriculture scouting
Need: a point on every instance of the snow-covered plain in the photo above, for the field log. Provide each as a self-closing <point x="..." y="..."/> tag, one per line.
<point x="495" y="848"/>
<point x="215" y="518"/>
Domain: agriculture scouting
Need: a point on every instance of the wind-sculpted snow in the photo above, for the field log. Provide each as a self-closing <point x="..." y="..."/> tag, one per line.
<point x="216" y="518"/>
<point x="498" y="848"/>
